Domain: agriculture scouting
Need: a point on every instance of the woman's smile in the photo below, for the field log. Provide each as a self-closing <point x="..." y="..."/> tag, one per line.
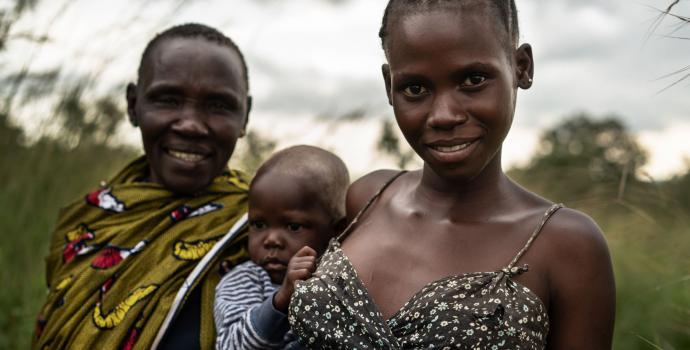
<point x="190" y="120"/>
<point x="187" y="155"/>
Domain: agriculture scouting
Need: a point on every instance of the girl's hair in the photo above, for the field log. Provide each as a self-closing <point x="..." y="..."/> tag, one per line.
<point x="504" y="10"/>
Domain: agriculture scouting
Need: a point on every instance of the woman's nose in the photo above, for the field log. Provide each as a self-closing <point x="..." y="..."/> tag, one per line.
<point x="190" y="122"/>
<point x="445" y="112"/>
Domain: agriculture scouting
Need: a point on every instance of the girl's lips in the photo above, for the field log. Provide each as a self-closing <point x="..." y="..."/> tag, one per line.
<point x="452" y="152"/>
<point x="451" y="148"/>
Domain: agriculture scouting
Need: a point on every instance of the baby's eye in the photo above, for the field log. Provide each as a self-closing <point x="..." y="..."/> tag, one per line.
<point x="473" y="80"/>
<point x="257" y="225"/>
<point x="294" y="227"/>
<point x="415" y="90"/>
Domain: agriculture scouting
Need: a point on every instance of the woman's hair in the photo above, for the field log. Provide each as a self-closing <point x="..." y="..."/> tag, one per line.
<point x="505" y="11"/>
<point x="191" y="31"/>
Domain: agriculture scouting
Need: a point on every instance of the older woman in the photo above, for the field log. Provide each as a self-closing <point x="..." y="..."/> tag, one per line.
<point x="132" y="264"/>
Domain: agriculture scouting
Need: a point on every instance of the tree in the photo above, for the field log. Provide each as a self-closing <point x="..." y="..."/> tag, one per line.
<point x="580" y="152"/>
<point x="389" y="144"/>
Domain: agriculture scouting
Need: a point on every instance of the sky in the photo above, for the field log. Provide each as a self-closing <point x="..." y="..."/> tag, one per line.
<point x="314" y="62"/>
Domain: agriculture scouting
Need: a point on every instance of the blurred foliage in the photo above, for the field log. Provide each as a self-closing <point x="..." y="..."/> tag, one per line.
<point x="8" y="16"/>
<point x="389" y="144"/>
<point x="36" y="181"/>
<point x="88" y="123"/>
<point x="252" y="150"/>
<point x="588" y="152"/>
<point x="604" y="147"/>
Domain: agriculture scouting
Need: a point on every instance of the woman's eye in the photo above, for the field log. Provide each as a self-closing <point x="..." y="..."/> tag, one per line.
<point x="219" y="106"/>
<point x="473" y="80"/>
<point x="257" y="225"/>
<point x="415" y="90"/>
<point x="167" y="101"/>
<point x="294" y="227"/>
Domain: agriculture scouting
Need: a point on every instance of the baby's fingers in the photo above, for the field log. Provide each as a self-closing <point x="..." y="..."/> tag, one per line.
<point x="301" y="273"/>
<point x="305" y="251"/>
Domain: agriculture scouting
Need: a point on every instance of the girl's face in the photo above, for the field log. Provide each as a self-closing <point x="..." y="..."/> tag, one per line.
<point x="452" y="83"/>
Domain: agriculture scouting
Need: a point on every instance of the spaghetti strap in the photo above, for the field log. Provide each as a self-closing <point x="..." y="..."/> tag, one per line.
<point x="541" y="224"/>
<point x="371" y="201"/>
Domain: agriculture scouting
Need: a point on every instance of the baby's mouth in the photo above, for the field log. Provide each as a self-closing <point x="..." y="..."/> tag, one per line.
<point x="273" y="263"/>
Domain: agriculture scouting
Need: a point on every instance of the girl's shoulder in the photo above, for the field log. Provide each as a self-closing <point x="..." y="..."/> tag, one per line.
<point x="570" y="228"/>
<point x="580" y="278"/>
<point x="566" y="228"/>
<point x="362" y="190"/>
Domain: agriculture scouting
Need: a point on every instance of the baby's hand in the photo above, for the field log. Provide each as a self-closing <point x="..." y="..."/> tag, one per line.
<point x="300" y="268"/>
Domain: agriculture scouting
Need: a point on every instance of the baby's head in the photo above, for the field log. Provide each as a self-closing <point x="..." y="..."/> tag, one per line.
<point x="296" y="199"/>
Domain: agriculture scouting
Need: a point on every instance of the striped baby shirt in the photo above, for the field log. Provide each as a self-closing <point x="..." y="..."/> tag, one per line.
<point x="244" y="313"/>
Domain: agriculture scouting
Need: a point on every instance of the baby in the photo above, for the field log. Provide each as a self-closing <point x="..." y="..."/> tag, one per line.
<point x="296" y="205"/>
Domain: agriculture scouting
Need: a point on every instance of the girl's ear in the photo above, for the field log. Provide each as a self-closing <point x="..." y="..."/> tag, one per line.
<point x="524" y="62"/>
<point x="132" y="103"/>
<point x="386" y="70"/>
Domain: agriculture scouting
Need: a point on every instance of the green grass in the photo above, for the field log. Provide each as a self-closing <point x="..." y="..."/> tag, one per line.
<point x="36" y="182"/>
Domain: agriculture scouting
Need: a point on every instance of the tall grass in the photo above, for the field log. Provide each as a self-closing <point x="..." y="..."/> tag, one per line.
<point x="36" y="182"/>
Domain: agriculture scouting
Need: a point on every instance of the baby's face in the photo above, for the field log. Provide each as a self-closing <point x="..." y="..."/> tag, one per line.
<point x="284" y="216"/>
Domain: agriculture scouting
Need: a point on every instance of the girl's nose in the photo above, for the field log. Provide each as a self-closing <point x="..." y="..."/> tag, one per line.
<point x="445" y="113"/>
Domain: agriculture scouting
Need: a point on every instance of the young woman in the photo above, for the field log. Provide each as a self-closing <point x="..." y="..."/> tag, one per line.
<point x="457" y="255"/>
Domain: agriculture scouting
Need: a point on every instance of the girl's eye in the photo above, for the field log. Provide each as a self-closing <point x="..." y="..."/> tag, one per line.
<point x="415" y="90"/>
<point x="257" y="225"/>
<point x="473" y="80"/>
<point x="294" y="227"/>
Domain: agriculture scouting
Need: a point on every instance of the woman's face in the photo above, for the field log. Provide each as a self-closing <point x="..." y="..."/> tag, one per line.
<point x="191" y="106"/>
<point x="452" y="85"/>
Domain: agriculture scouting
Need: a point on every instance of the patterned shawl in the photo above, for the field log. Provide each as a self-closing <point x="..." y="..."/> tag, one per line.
<point x="119" y="256"/>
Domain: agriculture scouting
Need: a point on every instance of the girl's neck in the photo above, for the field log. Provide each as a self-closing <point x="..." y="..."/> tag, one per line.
<point x="472" y="200"/>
